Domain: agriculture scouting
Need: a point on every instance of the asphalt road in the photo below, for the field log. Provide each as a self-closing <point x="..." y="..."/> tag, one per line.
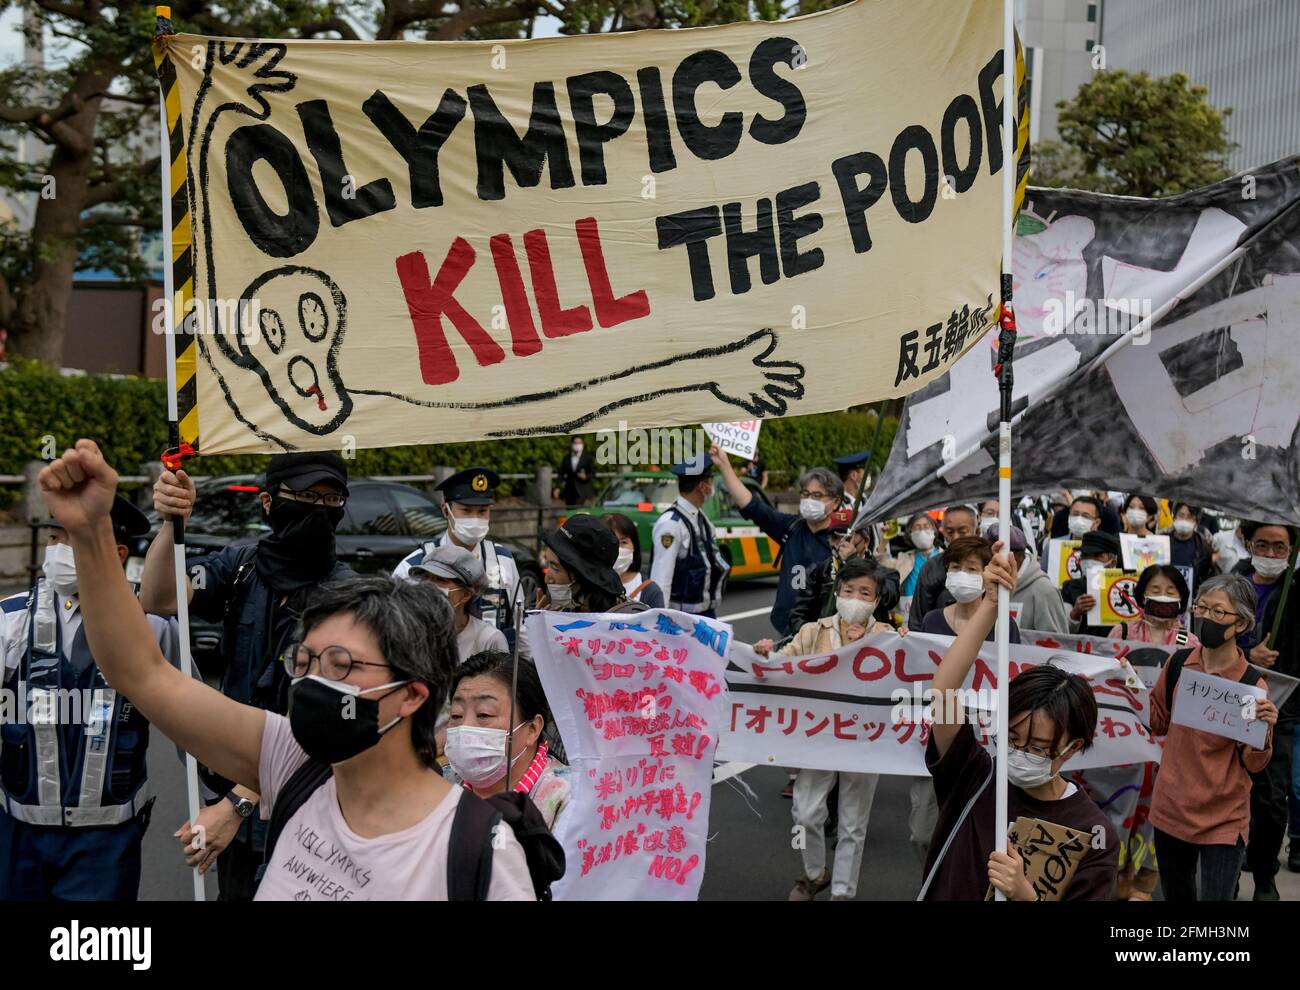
<point x="749" y="856"/>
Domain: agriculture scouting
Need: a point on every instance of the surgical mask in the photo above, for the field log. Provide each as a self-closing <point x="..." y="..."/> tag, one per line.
<point x="1184" y="527"/>
<point x="624" y="559"/>
<point x="576" y="448"/>
<point x="812" y="509"/>
<point x="1026" y="769"/>
<point x="1268" y="567"/>
<point x="923" y="539"/>
<point x="1079" y="525"/>
<point x="1161" y="607"/>
<point x="469" y="530"/>
<point x="1212" y="634"/>
<point x="60" y="569"/>
<point x="561" y="595"/>
<point x="964" y="586"/>
<point x="331" y="720"/>
<point x="854" y="611"/>
<point x="478" y="754"/>
<point x="987" y="523"/>
<point x="1137" y="517"/>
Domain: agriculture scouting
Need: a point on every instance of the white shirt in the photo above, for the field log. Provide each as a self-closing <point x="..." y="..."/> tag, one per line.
<point x="478" y="636"/>
<point x="671" y="541"/>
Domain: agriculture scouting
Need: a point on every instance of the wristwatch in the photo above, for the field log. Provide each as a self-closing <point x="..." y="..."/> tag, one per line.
<point x="243" y="806"/>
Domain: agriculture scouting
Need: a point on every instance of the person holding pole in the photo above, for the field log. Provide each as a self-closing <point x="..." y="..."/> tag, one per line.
<point x="1274" y="644"/>
<point x="257" y="591"/>
<point x="383" y="646"/>
<point x="74" y="798"/>
<point x="1051" y="717"/>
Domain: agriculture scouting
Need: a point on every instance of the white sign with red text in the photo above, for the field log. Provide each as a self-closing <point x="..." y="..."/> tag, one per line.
<point x="740" y="438"/>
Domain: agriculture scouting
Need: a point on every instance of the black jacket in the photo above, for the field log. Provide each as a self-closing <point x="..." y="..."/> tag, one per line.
<point x="931" y="591"/>
<point x="575" y="490"/>
<point x="815" y="602"/>
<point x="1288" y="640"/>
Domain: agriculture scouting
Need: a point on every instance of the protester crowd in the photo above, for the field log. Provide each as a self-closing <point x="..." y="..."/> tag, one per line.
<point x="450" y="732"/>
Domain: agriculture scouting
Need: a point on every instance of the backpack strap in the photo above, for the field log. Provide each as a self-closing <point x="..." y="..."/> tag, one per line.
<point x="1180" y="637"/>
<point x="302" y="784"/>
<point x="1174" y="667"/>
<point x="1123" y="630"/>
<point x="640" y="588"/>
<point x="469" y="851"/>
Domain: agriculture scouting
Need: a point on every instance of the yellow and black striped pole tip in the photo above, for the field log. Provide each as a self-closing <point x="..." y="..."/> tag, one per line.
<point x="163" y="22"/>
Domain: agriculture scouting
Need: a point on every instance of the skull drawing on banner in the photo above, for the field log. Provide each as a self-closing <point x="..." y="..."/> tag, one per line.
<point x="294" y="320"/>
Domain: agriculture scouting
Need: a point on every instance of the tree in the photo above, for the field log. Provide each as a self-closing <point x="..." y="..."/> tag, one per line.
<point x="1131" y="134"/>
<point x="95" y="193"/>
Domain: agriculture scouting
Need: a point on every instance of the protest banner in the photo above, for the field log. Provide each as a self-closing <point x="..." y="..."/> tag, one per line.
<point x="1220" y="706"/>
<point x="1051" y="853"/>
<point x="639" y="701"/>
<point x="862" y="707"/>
<point x="389" y="237"/>
<point x="1118" y="599"/>
<point x="739" y="438"/>
<point x="1063" y="560"/>
<point x="1137" y="553"/>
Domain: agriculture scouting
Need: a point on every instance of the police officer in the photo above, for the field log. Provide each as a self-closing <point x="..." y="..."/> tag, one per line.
<point x="75" y="799"/>
<point x="688" y="563"/>
<point x="257" y="591"/>
<point x="467" y="500"/>
<point x="852" y="469"/>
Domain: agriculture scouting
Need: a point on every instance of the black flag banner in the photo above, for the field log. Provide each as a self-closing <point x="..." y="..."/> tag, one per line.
<point x="1159" y="351"/>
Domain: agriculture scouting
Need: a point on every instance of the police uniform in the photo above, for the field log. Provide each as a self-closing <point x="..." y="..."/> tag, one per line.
<point x="477" y="486"/>
<point x="74" y="794"/>
<point x="688" y="564"/>
<point x="846" y="462"/>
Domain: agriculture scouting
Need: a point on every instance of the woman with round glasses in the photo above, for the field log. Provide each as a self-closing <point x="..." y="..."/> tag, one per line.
<point x="1201" y="805"/>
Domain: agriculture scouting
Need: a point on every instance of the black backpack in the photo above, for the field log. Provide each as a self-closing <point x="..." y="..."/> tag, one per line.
<point x="1176" y="662"/>
<point x="469" y="853"/>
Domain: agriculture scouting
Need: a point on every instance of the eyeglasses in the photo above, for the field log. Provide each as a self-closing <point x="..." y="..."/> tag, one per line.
<point x="309" y="497"/>
<point x="334" y="662"/>
<point x="1216" y="613"/>
<point x="1270" y="549"/>
<point x="808" y="494"/>
<point x="1046" y="754"/>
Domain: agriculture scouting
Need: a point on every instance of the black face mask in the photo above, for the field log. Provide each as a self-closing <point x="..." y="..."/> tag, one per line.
<point x="331" y="724"/>
<point x="1212" y="634"/>
<point x="1162" y="610"/>
<point x="300" y="549"/>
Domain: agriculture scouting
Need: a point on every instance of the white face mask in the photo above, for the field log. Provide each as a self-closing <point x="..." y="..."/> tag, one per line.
<point x="964" y="586"/>
<point x="1080" y="525"/>
<point x="469" y="530"/>
<point x="1137" y="517"/>
<point x="854" y="611"/>
<point x="561" y="595"/>
<point x="624" y="559"/>
<point x="1268" y="566"/>
<point x="923" y="539"/>
<point x="1026" y="769"/>
<point x="60" y="569"/>
<point x="1184" y="527"/>
<point x="577" y="448"/>
<point x="812" y="509"/>
<point x="478" y="754"/>
<point x="987" y="523"/>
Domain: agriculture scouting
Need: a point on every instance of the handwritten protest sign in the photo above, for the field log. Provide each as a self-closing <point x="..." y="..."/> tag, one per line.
<point x="1218" y="705"/>
<point x="418" y="242"/>
<point x="1052" y="853"/>
<point x="863" y="707"/>
<point x="740" y="438"/>
<point x="1137" y="553"/>
<point x="1063" y="560"/>
<point x="639" y="701"/>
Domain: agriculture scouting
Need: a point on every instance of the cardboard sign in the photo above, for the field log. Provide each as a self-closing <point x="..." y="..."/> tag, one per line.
<point x="740" y="438"/>
<point x="1118" y="599"/>
<point x="1140" y="552"/>
<point x="1220" y="706"/>
<point x="412" y="242"/>
<point x="1052" y="853"/>
<point x="1063" y="560"/>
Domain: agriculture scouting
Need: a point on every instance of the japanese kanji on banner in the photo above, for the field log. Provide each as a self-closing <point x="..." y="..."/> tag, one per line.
<point x="639" y="701"/>
<point x="863" y="707"/>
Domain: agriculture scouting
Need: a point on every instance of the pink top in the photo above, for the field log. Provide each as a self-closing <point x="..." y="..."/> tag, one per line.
<point x="1139" y="631"/>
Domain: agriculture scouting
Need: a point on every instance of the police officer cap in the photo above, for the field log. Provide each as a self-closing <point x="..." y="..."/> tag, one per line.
<point x="854" y="459"/>
<point x="128" y="521"/>
<point x="473" y="486"/>
<point x="301" y="469"/>
<point x="698" y="466"/>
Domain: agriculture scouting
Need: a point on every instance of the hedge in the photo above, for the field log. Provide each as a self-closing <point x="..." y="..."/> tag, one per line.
<point x="128" y="417"/>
